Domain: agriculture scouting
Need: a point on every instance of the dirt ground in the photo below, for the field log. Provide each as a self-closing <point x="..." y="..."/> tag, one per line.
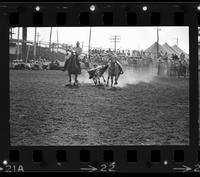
<point x="145" y="112"/>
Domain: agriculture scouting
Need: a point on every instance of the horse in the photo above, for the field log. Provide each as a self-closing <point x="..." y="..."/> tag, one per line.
<point x="72" y="65"/>
<point x="172" y="68"/>
<point x="182" y="69"/>
<point x="114" y="70"/>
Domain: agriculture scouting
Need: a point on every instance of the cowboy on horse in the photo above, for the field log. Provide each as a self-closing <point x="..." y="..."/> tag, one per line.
<point x="77" y="51"/>
<point x="72" y="63"/>
<point x="115" y="60"/>
<point x="114" y="70"/>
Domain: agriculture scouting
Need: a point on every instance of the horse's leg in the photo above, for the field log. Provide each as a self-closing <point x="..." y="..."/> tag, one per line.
<point x="70" y="78"/>
<point x="99" y="80"/>
<point x="116" y="78"/>
<point x="108" y="80"/>
<point x="75" y="79"/>
<point x="103" y="78"/>
<point x="111" y="81"/>
<point x="95" y="81"/>
<point x="117" y="73"/>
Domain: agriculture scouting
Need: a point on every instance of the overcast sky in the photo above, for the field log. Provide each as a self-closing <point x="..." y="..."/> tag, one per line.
<point x="133" y="38"/>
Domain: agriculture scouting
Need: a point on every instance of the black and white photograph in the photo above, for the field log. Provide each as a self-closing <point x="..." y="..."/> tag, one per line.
<point x="99" y="86"/>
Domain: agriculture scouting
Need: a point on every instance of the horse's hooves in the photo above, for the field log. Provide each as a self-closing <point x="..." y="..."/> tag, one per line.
<point x="68" y="85"/>
<point x="76" y="83"/>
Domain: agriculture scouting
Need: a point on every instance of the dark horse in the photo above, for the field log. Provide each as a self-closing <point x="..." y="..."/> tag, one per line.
<point x="114" y="71"/>
<point x="72" y="65"/>
<point x="182" y="69"/>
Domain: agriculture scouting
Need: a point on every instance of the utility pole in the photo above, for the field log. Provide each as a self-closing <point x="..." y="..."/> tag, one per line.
<point x="24" y="41"/>
<point x="57" y="42"/>
<point x="158" y="29"/>
<point x="38" y="35"/>
<point x="50" y="39"/>
<point x="38" y="43"/>
<point x="89" y="44"/>
<point x="34" y="51"/>
<point x="177" y="41"/>
<point x="18" y="43"/>
<point x="27" y="53"/>
<point x="115" y="39"/>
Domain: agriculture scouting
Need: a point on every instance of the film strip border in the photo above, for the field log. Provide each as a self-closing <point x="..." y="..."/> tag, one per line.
<point x="107" y="159"/>
<point x="101" y="14"/>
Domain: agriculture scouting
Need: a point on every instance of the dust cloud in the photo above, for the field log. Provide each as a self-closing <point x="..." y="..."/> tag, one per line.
<point x="135" y="76"/>
<point x="131" y="76"/>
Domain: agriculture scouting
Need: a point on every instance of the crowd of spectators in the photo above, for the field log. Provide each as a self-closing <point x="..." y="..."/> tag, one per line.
<point x="125" y="57"/>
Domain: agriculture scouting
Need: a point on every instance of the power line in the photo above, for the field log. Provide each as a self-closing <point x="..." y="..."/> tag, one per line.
<point x="116" y="39"/>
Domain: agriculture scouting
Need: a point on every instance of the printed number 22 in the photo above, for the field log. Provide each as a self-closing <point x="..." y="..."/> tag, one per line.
<point x="106" y="168"/>
<point x="197" y="168"/>
<point x="112" y="166"/>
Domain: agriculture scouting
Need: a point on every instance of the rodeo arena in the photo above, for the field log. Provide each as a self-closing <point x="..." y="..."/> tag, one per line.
<point x="73" y="94"/>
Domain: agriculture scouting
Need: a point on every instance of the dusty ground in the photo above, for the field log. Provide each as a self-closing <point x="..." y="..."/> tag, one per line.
<point x="44" y="112"/>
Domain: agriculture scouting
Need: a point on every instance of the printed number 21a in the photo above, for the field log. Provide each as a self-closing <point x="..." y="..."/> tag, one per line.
<point x="14" y="168"/>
